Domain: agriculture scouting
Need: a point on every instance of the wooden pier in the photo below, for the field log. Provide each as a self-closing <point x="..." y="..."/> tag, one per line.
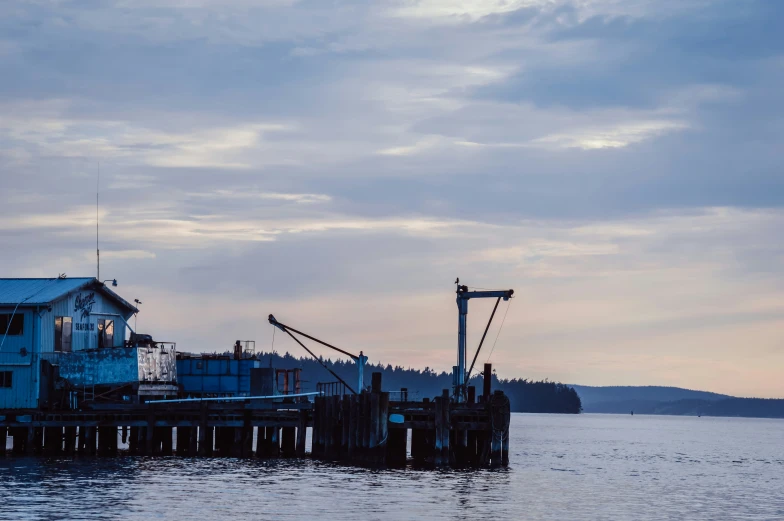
<point x="366" y="429"/>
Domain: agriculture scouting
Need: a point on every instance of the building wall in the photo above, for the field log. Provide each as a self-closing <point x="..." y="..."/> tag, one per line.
<point x="198" y="376"/>
<point x="23" y="393"/>
<point x="14" y="343"/>
<point x="117" y="366"/>
<point x="85" y="308"/>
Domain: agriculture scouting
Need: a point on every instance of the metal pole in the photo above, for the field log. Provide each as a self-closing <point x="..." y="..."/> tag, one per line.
<point x="462" y="306"/>
<point x="361" y="360"/>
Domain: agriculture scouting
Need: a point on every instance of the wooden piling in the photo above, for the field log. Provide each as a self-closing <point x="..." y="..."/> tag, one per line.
<point x="18" y="439"/>
<point x="112" y="441"/>
<point x="264" y="443"/>
<point x="383" y="429"/>
<point x="133" y="441"/>
<point x="487" y="381"/>
<point x="205" y="432"/>
<point x="495" y="449"/>
<point x="167" y="444"/>
<point x="183" y="447"/>
<point x="69" y="439"/>
<point x="445" y="429"/>
<point x="337" y="427"/>
<point x="505" y="448"/>
<point x="499" y="425"/>
<point x="225" y="438"/>
<point x="247" y="434"/>
<point x="193" y="441"/>
<point x="373" y="426"/>
<point x="3" y="440"/>
<point x="288" y="445"/>
<point x="302" y="432"/>
<point x="396" y="455"/>
<point x="31" y="446"/>
<point x="351" y="421"/>
<point x="345" y="421"/>
<point x="53" y="440"/>
<point x="141" y="440"/>
<point x="236" y="445"/>
<point x="274" y="441"/>
<point x="316" y="440"/>
<point x="149" y="432"/>
<point x="103" y="440"/>
<point x="327" y="428"/>
<point x="365" y="420"/>
<point x="418" y="446"/>
<point x="438" y="445"/>
<point x="89" y="440"/>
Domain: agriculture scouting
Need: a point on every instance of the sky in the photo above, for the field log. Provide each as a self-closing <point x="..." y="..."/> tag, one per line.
<point x="339" y="163"/>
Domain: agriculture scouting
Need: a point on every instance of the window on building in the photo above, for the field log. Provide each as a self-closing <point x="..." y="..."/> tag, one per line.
<point x="11" y="324"/>
<point x="63" y="328"/>
<point x="105" y="333"/>
<point x="6" y="379"/>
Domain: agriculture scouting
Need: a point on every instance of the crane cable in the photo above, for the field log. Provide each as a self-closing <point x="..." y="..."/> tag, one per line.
<point x="496" y="336"/>
<point x="499" y="330"/>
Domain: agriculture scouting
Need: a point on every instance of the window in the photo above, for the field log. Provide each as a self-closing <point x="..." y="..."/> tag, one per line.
<point x="105" y="333"/>
<point x="6" y="379"/>
<point x="11" y="325"/>
<point x="63" y="328"/>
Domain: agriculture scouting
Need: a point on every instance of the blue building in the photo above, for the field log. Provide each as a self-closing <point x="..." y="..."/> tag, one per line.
<point x="210" y="375"/>
<point x="72" y="330"/>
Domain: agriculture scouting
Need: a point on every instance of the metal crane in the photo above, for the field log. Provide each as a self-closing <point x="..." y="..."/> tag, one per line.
<point x="360" y="359"/>
<point x="459" y="374"/>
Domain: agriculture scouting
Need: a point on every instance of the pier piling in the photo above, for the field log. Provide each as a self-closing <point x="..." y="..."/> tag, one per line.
<point x="367" y="429"/>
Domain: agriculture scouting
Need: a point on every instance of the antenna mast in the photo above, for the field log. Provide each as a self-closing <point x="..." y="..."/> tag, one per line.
<point x="97" y="191"/>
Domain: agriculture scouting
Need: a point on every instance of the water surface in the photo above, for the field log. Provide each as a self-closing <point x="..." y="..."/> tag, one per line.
<point x="562" y="468"/>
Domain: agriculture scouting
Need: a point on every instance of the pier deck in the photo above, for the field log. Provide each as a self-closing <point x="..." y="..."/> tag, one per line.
<point x="363" y="429"/>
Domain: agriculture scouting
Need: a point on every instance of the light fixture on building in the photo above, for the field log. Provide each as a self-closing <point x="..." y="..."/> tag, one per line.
<point x="136" y="315"/>
<point x="114" y="282"/>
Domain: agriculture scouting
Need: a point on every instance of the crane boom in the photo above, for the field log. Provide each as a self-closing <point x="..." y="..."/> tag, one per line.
<point x="360" y="359"/>
<point x="463" y="296"/>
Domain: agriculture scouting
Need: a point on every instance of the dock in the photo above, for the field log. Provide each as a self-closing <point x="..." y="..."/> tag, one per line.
<point x="73" y="385"/>
<point x="365" y="429"/>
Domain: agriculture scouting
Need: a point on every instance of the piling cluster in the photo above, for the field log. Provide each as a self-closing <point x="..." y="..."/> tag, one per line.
<point x="369" y="429"/>
<point x="365" y="429"/>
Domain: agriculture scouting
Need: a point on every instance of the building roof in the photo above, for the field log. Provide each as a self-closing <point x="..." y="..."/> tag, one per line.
<point x="37" y="292"/>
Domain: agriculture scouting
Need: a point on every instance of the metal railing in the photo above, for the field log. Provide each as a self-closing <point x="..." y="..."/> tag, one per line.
<point x="331" y="388"/>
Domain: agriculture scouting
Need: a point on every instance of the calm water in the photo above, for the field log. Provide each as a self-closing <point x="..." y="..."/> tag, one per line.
<point x="562" y="468"/>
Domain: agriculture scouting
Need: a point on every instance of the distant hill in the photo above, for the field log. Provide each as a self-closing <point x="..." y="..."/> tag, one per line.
<point x="675" y="401"/>
<point x="622" y="399"/>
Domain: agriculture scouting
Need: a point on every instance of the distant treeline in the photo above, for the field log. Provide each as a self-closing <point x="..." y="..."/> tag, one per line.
<point x="524" y="395"/>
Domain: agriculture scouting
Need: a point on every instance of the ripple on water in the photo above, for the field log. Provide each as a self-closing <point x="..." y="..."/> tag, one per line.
<point x="562" y="467"/>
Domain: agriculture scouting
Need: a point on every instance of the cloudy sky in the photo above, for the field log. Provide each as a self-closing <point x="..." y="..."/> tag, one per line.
<point x="617" y="162"/>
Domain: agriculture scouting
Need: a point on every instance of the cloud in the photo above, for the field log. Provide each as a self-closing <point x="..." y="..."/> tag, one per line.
<point x="617" y="162"/>
<point x="127" y="254"/>
<point x="274" y="196"/>
<point x="612" y="137"/>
